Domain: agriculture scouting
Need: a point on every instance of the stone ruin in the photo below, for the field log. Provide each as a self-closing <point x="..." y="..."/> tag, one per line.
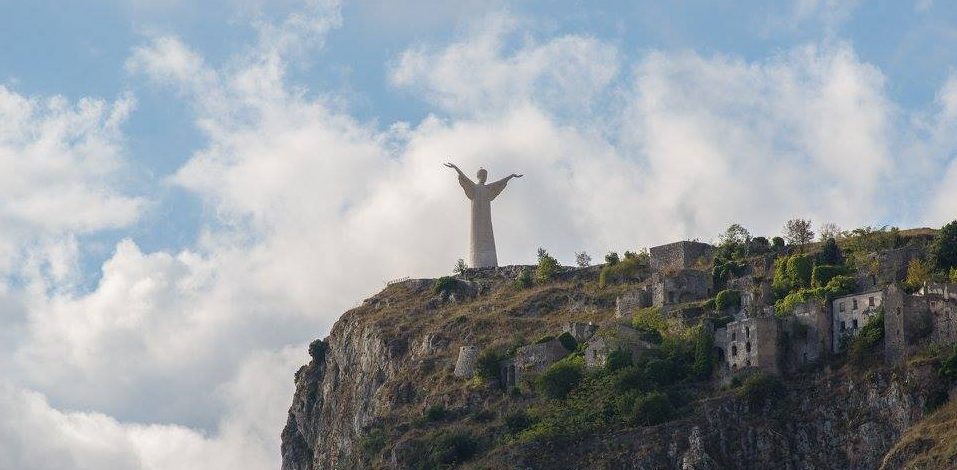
<point x="465" y="364"/>
<point x="580" y="331"/>
<point x="626" y="305"/>
<point x="912" y="321"/>
<point x="530" y="360"/>
<point x="682" y="286"/>
<point x="612" y="337"/>
<point x="680" y="255"/>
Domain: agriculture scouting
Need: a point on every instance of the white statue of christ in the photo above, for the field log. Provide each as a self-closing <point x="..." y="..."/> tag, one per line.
<point x="481" y="238"/>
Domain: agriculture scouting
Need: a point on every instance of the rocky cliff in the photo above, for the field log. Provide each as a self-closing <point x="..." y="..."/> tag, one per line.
<point x="379" y="392"/>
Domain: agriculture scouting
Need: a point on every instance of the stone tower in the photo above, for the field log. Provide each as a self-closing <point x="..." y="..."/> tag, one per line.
<point x="465" y="365"/>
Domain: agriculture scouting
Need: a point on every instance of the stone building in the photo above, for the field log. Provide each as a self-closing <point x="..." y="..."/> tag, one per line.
<point x="810" y="334"/>
<point x="580" y="331"/>
<point x="749" y="344"/>
<point x="465" y="364"/>
<point x="678" y="287"/>
<point x="680" y="255"/>
<point x="914" y="321"/>
<point x="612" y="337"/>
<point x="529" y="361"/>
<point x="851" y="312"/>
<point x="626" y="305"/>
<point x="755" y="293"/>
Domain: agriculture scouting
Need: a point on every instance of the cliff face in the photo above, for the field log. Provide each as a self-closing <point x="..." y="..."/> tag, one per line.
<point x="360" y="402"/>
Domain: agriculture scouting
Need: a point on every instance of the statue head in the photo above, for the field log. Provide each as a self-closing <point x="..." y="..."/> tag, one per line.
<point x="482" y="175"/>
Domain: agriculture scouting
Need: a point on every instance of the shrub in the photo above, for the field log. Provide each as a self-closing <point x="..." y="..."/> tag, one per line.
<point x="524" y="280"/>
<point x="620" y="270"/>
<point x="759" y="387"/>
<point x="652" y="408"/>
<point x="372" y="443"/>
<point x="948" y="365"/>
<point x="823" y="274"/>
<point x="618" y="359"/>
<point x="952" y="277"/>
<point x="917" y="274"/>
<point x="703" y="357"/>
<point x="486" y="365"/>
<point x="799" y="269"/>
<point x="649" y="319"/>
<point x="434" y="413"/>
<point x="777" y="243"/>
<point x="612" y="258"/>
<point x="547" y="267"/>
<point x="943" y="250"/>
<point x="561" y="377"/>
<point x="451" y="447"/>
<point x="760" y="245"/>
<point x="727" y="298"/>
<point x="841" y="285"/>
<point x="443" y="284"/>
<point x="709" y="304"/>
<point x="317" y="350"/>
<point x="866" y="342"/>
<point x="460" y="266"/>
<point x="831" y="253"/>
<point x="781" y="283"/>
<point x="582" y="259"/>
<point x="568" y="341"/>
<point x="517" y="421"/>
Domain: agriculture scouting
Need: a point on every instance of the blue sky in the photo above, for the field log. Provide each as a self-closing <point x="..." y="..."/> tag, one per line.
<point x="193" y="192"/>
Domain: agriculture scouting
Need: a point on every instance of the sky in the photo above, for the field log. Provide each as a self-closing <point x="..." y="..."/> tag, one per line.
<point x="191" y="192"/>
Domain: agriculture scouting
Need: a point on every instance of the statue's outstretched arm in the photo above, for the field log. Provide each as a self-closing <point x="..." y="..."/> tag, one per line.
<point x="497" y="187"/>
<point x="467" y="184"/>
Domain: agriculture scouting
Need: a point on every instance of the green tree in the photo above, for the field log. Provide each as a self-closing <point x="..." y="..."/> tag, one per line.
<point x="727" y="298"/>
<point x="582" y="259"/>
<point x="777" y="243"/>
<point x="460" y="266"/>
<point x="547" y="267"/>
<point x="652" y="408"/>
<point x="734" y="242"/>
<point x="798" y="232"/>
<point x="917" y="274"/>
<point x="703" y="356"/>
<point x="799" y="270"/>
<point x="943" y="250"/>
<point x="612" y="258"/>
<point x="831" y="253"/>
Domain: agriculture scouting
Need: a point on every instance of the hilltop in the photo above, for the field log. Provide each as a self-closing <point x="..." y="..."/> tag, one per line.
<point x="750" y="353"/>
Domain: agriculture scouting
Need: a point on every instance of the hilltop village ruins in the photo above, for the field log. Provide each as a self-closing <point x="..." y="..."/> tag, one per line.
<point x="753" y="337"/>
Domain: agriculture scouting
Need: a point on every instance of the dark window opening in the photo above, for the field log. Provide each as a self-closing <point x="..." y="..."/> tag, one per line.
<point x="747" y="346"/>
<point x="855" y="324"/>
<point x="747" y="332"/>
<point x="843" y="326"/>
<point x="870" y="301"/>
<point x="734" y="351"/>
<point x="854" y="304"/>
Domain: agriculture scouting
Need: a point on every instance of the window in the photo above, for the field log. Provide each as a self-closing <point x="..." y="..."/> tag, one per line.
<point x="855" y="324"/>
<point x="748" y="363"/>
<point x="843" y="326"/>
<point x="747" y="346"/>
<point x="734" y="351"/>
<point x="854" y="304"/>
<point x="671" y="297"/>
<point x="842" y="306"/>
<point x="747" y="332"/>
<point x="734" y="336"/>
<point x="870" y="301"/>
<point x="805" y="358"/>
<point x="898" y="310"/>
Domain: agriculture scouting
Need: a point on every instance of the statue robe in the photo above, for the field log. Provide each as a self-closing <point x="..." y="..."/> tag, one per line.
<point x="481" y="238"/>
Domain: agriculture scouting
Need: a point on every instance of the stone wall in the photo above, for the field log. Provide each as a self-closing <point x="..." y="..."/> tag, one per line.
<point x="612" y="337"/>
<point x="810" y="334"/>
<point x="913" y="321"/>
<point x="686" y="285"/>
<point x="530" y="360"/>
<point x="626" y="305"/>
<point x="680" y="255"/>
<point x="852" y="312"/>
<point x="886" y="267"/>
<point x="580" y="331"/>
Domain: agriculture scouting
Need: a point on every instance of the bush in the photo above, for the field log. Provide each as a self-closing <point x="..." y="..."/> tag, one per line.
<point x="777" y="243"/>
<point x="841" y="285"/>
<point x="703" y="356"/>
<point x="612" y="258"/>
<point x="727" y="298"/>
<point x="943" y="250"/>
<point x="652" y="408"/>
<point x="799" y="269"/>
<point x="517" y="421"/>
<point x="486" y="365"/>
<point x="317" y="350"/>
<point x="372" y="443"/>
<point x="561" y="377"/>
<point x="917" y="274"/>
<point x="568" y="341"/>
<point x="649" y="319"/>
<point x="948" y="365"/>
<point x="434" y="413"/>
<point x="759" y="387"/>
<point x="524" y="280"/>
<point x="451" y="447"/>
<point x="620" y="271"/>
<point x="443" y="284"/>
<point x="547" y="267"/>
<point x="831" y="253"/>
<point x="618" y="359"/>
<point x="823" y="274"/>
<point x="865" y="344"/>
<point x="460" y="267"/>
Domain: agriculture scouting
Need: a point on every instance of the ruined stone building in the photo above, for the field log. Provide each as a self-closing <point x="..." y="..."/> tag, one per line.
<point x="886" y="267"/>
<point x="627" y="304"/>
<point x="681" y="255"/>
<point x="810" y="334"/>
<point x="465" y="364"/>
<point x="612" y="337"/>
<point x="750" y="343"/>
<point x="926" y="318"/>
<point x="851" y="312"/>
<point x="530" y="360"/>
<point x="678" y="287"/>
<point x="581" y="331"/>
